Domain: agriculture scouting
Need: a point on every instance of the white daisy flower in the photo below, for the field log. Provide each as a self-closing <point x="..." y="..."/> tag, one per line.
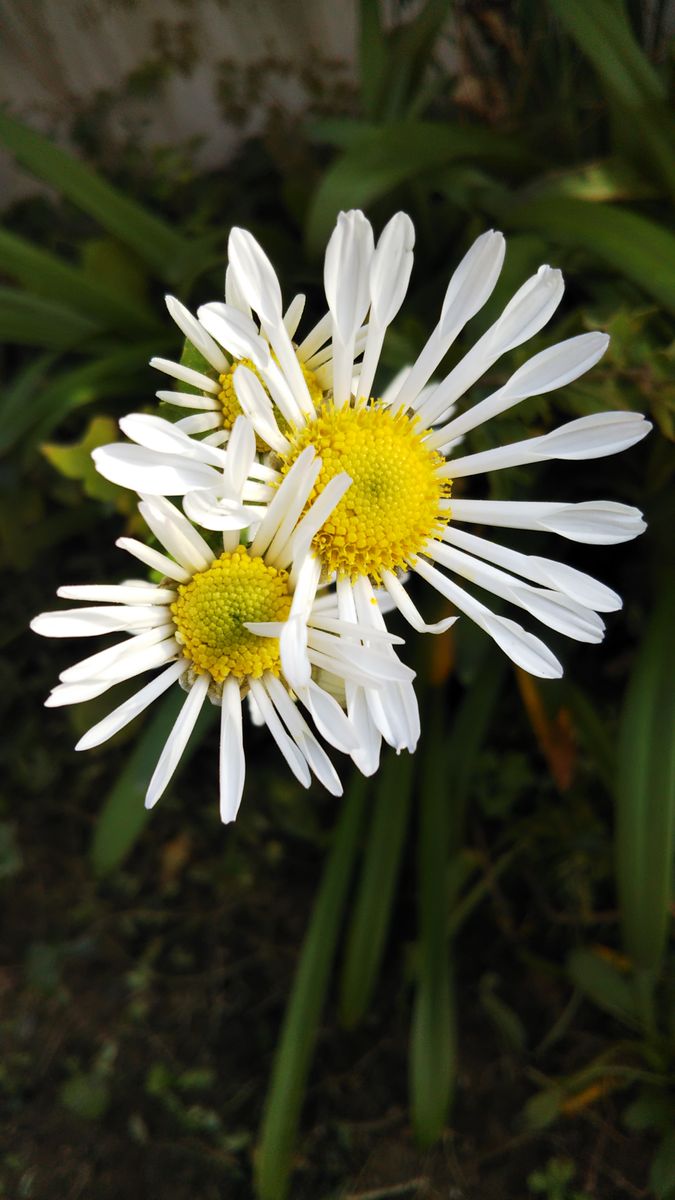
<point x="400" y="514"/>
<point x="226" y="624"/>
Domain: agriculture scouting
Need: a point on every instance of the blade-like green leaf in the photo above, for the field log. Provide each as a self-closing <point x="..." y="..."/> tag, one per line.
<point x="632" y="245"/>
<point x="372" y="908"/>
<point x="433" y="1036"/>
<point x="38" y="322"/>
<point x="645" y="792"/>
<point x="124" y="815"/>
<point x="602" y="983"/>
<point x="600" y="29"/>
<point x="300" y="1027"/>
<point x="373" y="56"/>
<point x="44" y="273"/>
<point x="378" y="162"/>
<point x="166" y="251"/>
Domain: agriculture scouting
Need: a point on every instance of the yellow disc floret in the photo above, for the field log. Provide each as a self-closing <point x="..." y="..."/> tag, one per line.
<point x="393" y="505"/>
<point x="231" y="408"/>
<point x="211" y="611"/>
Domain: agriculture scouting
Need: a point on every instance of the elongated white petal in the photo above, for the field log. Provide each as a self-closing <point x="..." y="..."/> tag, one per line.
<point x="346" y="271"/>
<point x="559" y="612"/>
<point x="329" y="718"/>
<point x="199" y="423"/>
<point x="196" y="334"/>
<point x="232" y="759"/>
<point x="235" y="332"/>
<point x="287" y="746"/>
<point x="118" y="593"/>
<point x="150" y="472"/>
<point x="317" y="515"/>
<point x="234" y="296"/>
<point x="597" y="522"/>
<point x="545" y="372"/>
<point x="363" y="664"/>
<point x="367" y="757"/>
<point x="470" y="286"/>
<point x="88" y="668"/>
<point x="521" y="647"/>
<point x="186" y="375"/>
<point x="177" y="740"/>
<point x="91" y="622"/>
<point x="293" y="640"/>
<point x="142" y="660"/>
<point x="169" y="437"/>
<point x="256" y="404"/>
<point x="316" y="338"/>
<point x="299" y="482"/>
<point x="176" y="534"/>
<point x="188" y="400"/>
<point x="351" y="629"/>
<point x="568" y="580"/>
<point x="215" y="512"/>
<point x="315" y="755"/>
<point x="154" y="559"/>
<point x="293" y="314"/>
<point x="76" y="693"/>
<point x="594" y="436"/>
<point x="406" y="607"/>
<point x="390" y="270"/>
<point x="131" y="708"/>
<point x="256" y="277"/>
<point x="529" y="310"/>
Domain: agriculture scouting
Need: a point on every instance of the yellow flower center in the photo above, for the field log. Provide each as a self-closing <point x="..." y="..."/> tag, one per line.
<point x="393" y="505"/>
<point x="211" y="609"/>
<point x="231" y="407"/>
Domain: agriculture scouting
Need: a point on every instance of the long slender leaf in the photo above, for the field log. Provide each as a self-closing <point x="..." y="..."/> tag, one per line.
<point x="151" y="238"/>
<point x="378" y="162"/>
<point x="39" y="322"/>
<point x="632" y="245"/>
<point x="372" y="908"/>
<point x="433" y="1037"/>
<point x="600" y="29"/>
<point x="124" y="815"/>
<point x="300" y="1027"/>
<point x="645" y="792"/>
<point x="44" y="273"/>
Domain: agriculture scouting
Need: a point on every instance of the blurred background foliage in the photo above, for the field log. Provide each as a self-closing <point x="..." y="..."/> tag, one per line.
<point x="462" y="971"/>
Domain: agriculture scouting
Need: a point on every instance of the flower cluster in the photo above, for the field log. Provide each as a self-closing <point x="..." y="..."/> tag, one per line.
<point x="310" y="498"/>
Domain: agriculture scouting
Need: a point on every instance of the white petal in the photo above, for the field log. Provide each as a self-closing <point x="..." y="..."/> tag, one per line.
<point x="287" y="746"/>
<point x="189" y="400"/>
<point x="296" y="485"/>
<point x="406" y="607"/>
<point x="316" y="338"/>
<point x="118" y="594"/>
<point x="256" y="404"/>
<point x="131" y="708"/>
<point x="293" y="314"/>
<point x="216" y="512"/>
<point x="329" y="718"/>
<point x="317" y="515"/>
<point x="595" y="436"/>
<point x="597" y="522"/>
<point x="177" y="740"/>
<point x="175" y="533"/>
<point x="170" y="437"/>
<point x="149" y="472"/>
<point x="346" y="270"/>
<point x="232" y="759"/>
<point x="315" y="755"/>
<point x="522" y="647"/>
<point x="293" y="640"/>
<point x="256" y="277"/>
<point x="76" y="693"/>
<point x="154" y="559"/>
<point x="235" y="332"/>
<point x="234" y="296"/>
<point x="90" y="622"/>
<point x="196" y="334"/>
<point x="367" y="757"/>
<point x="186" y="375"/>
<point x="552" y="368"/>
<point x="88" y="668"/>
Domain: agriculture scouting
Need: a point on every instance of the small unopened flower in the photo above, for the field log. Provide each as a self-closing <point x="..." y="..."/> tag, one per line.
<point x="241" y="620"/>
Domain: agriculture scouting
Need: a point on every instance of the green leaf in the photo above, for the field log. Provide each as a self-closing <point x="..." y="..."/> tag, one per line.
<point x="37" y="322"/>
<point x="645" y="792"/>
<point x="44" y="273"/>
<point x="372" y="908"/>
<point x="602" y="983"/>
<point x="600" y="29"/>
<point x="433" y="1034"/>
<point x="379" y="161"/>
<point x="85" y="1095"/>
<point x="124" y="816"/>
<point x="662" y="1173"/>
<point x="634" y="246"/>
<point x="301" y="1021"/>
<point x="151" y="238"/>
<point x="373" y="56"/>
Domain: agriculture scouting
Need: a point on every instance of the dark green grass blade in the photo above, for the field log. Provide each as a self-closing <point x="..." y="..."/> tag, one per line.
<point x="301" y="1021"/>
<point x="645" y="792"/>
<point x="151" y="238"/>
<point x="373" y="905"/>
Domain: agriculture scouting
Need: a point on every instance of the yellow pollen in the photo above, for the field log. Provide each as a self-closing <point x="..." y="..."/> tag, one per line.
<point x="211" y="609"/>
<point x="231" y="408"/>
<point x="393" y="505"/>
